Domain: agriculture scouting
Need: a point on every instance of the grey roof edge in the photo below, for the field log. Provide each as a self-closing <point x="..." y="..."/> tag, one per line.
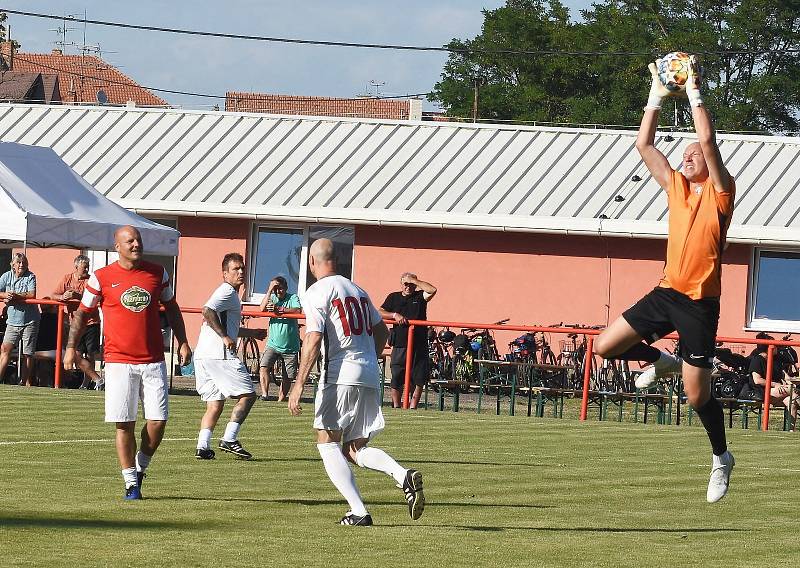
<point x="630" y="131"/>
<point x="778" y="236"/>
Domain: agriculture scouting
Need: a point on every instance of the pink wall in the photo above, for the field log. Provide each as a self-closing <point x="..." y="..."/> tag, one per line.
<point x="204" y="241"/>
<point x="481" y="277"/>
<point x="531" y="278"/>
<point x="49" y="265"/>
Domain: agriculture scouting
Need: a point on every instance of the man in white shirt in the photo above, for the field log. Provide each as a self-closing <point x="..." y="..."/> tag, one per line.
<point x="219" y="373"/>
<point x="343" y="325"/>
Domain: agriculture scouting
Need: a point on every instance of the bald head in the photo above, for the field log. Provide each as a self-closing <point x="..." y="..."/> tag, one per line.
<point x="126" y="231"/>
<point x="128" y="244"/>
<point x="321" y="258"/>
<point x="694" y="163"/>
<point x="322" y="250"/>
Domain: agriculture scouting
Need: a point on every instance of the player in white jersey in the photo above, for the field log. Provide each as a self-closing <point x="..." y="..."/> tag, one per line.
<point x="344" y="327"/>
<point x="219" y="373"/>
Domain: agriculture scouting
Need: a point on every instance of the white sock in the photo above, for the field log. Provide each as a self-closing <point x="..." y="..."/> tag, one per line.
<point x="231" y="432"/>
<point x="723" y="459"/>
<point x="204" y="439"/>
<point x="142" y="461"/>
<point x="129" y="475"/>
<point x="377" y="459"/>
<point x="341" y="476"/>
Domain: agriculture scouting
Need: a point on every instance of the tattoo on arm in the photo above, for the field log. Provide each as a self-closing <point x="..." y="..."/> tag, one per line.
<point x="76" y="328"/>
<point x="213" y="321"/>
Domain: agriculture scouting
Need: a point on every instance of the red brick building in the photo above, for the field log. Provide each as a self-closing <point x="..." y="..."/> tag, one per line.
<point x="80" y="77"/>
<point x="393" y="109"/>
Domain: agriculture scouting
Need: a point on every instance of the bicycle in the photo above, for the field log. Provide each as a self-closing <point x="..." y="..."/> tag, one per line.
<point x="248" y="351"/>
<point x="573" y="355"/>
<point x="440" y="355"/>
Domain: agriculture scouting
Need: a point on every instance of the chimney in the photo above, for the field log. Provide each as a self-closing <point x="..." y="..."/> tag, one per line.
<point x="7" y="55"/>
<point x="57" y="51"/>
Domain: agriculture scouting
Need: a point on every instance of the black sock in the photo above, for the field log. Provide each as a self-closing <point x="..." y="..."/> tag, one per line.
<point x="640" y="352"/>
<point x="713" y="419"/>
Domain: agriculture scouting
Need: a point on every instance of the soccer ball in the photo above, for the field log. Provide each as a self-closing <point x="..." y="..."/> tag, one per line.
<point x="673" y="71"/>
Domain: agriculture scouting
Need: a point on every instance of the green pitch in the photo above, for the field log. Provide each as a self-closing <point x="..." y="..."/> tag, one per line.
<point x="501" y="491"/>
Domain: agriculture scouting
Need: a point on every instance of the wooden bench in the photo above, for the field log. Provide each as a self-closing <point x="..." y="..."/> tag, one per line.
<point x="454" y="387"/>
<point x="748" y="408"/>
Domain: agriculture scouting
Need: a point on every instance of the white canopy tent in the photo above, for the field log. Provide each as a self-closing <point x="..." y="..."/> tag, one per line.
<point x="44" y="203"/>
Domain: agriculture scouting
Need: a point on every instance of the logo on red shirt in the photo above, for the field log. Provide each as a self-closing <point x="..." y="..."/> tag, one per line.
<point x="135" y="299"/>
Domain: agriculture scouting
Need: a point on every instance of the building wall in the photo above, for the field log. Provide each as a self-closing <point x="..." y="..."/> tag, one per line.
<point x="530" y="278"/>
<point x="204" y="241"/>
<point x="49" y="265"/>
<point x="481" y="276"/>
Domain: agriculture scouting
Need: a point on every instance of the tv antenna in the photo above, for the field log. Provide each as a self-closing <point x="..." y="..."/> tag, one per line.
<point x="376" y="85"/>
<point x="63" y="30"/>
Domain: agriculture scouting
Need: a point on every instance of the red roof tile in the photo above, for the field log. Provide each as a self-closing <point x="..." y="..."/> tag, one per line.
<point x="317" y="106"/>
<point x="80" y="77"/>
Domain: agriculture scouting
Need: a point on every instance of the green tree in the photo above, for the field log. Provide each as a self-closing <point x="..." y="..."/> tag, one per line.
<point x="752" y="74"/>
<point x="4" y="29"/>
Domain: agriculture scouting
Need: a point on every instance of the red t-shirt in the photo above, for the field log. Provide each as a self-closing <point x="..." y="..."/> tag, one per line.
<point x="130" y="303"/>
<point x="69" y="282"/>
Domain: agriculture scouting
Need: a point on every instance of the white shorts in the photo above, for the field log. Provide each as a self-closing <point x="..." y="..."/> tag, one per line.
<point x="127" y="383"/>
<point x="218" y="379"/>
<point x="355" y="410"/>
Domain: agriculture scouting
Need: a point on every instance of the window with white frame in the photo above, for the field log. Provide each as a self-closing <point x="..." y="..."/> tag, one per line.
<point x="282" y="250"/>
<point x="774" y="300"/>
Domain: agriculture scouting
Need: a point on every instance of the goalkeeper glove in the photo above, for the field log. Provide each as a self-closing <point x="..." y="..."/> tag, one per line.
<point x="693" y="82"/>
<point x="657" y="89"/>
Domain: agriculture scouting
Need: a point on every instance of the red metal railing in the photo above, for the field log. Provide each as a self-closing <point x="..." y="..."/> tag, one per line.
<point x="412" y="324"/>
<point x="590" y="333"/>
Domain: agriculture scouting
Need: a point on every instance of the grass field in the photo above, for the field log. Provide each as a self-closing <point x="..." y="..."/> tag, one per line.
<point x="501" y="491"/>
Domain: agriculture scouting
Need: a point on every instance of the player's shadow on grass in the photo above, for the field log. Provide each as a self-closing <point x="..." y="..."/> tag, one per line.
<point x="318" y="502"/>
<point x="489" y="528"/>
<point x="72" y="523"/>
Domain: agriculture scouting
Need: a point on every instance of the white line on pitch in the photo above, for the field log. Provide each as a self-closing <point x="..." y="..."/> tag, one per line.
<point x="107" y="440"/>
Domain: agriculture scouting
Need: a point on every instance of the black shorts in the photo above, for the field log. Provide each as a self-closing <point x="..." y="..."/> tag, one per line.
<point x="419" y="367"/>
<point x="89" y="343"/>
<point x="665" y="310"/>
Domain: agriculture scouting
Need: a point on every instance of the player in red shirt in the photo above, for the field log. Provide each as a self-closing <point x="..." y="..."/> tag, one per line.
<point x="128" y="292"/>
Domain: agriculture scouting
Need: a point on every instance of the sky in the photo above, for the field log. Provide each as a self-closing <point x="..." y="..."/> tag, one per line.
<point x="214" y="66"/>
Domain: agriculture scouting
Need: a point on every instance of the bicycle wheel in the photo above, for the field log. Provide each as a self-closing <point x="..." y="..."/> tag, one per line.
<point x="250" y="356"/>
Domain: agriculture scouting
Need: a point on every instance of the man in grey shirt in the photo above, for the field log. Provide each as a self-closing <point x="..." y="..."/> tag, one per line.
<point x="22" y="320"/>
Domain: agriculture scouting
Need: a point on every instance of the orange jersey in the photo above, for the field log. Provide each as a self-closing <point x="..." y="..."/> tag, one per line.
<point x="698" y="223"/>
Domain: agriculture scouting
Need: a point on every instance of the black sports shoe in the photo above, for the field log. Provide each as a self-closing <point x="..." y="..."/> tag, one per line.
<point x="235" y="448"/>
<point x="356" y="521"/>
<point x="412" y="489"/>
<point x="204" y="454"/>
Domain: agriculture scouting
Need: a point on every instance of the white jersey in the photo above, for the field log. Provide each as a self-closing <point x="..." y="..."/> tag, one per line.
<point x="344" y="315"/>
<point x="225" y="301"/>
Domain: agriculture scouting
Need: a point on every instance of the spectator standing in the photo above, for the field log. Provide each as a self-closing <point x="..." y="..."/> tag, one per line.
<point x="22" y="320"/>
<point x="129" y="292"/>
<point x="283" y="340"/>
<point x="410" y="303"/>
<point x="220" y="374"/>
<point x="70" y="289"/>
<point x="347" y="407"/>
